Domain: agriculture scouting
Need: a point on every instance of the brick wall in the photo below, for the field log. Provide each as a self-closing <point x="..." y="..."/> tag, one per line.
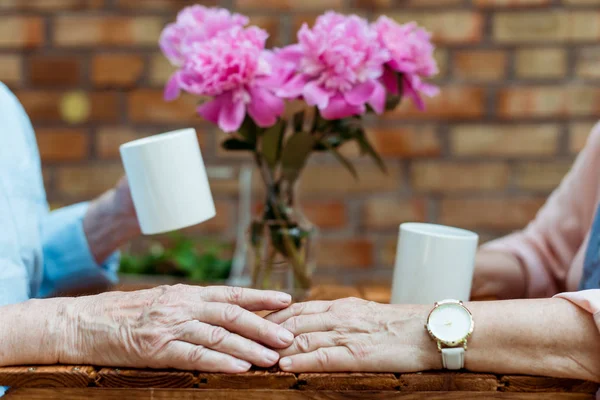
<point x="519" y="95"/>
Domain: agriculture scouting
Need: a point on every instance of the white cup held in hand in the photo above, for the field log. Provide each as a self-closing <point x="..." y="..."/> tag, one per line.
<point x="433" y="262"/>
<point x="168" y="181"/>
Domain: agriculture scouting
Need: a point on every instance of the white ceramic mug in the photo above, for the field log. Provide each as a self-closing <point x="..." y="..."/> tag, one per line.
<point x="168" y="181"/>
<point x="433" y="262"/>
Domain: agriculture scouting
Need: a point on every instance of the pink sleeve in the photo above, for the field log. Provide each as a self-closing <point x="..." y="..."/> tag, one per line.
<point x="547" y="246"/>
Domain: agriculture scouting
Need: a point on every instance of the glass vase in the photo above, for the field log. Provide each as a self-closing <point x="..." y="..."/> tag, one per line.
<point x="283" y="245"/>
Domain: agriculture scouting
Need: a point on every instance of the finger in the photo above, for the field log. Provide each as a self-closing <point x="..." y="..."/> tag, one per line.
<point x="309" y="342"/>
<point x="250" y="299"/>
<point x="223" y="341"/>
<point x="310" y="307"/>
<point x="182" y="355"/>
<point x="330" y="359"/>
<point x="236" y="319"/>
<point x="323" y="322"/>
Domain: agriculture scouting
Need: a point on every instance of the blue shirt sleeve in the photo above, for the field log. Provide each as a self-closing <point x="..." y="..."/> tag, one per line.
<point x="68" y="261"/>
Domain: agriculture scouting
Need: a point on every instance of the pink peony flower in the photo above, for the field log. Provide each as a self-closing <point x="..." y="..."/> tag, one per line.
<point x="339" y="63"/>
<point x="411" y="54"/>
<point x="196" y="24"/>
<point x="236" y="71"/>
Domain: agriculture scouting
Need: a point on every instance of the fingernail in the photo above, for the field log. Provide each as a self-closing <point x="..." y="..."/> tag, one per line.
<point x="243" y="365"/>
<point x="286" y="336"/>
<point x="285" y="363"/>
<point x="284" y="298"/>
<point x="270" y="356"/>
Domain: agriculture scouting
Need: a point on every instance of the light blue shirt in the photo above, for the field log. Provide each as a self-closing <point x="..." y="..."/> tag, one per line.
<point x="41" y="252"/>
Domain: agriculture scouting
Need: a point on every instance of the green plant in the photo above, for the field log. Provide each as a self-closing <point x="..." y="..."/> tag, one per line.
<point x="181" y="258"/>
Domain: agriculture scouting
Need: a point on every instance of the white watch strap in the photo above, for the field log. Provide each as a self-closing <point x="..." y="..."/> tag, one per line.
<point x="453" y="357"/>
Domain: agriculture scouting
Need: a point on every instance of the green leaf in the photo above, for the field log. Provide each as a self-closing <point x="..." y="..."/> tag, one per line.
<point x="294" y="156"/>
<point x="299" y="121"/>
<point x="334" y="140"/>
<point x="236" y="144"/>
<point x="249" y="130"/>
<point x="366" y="148"/>
<point x="341" y="159"/>
<point x="271" y="143"/>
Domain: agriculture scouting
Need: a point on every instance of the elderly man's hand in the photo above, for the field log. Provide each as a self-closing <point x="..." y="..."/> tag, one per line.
<point x="356" y="335"/>
<point x="183" y="327"/>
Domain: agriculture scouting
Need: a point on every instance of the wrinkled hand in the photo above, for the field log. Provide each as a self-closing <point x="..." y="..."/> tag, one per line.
<point x="356" y="335"/>
<point x="111" y="221"/>
<point x="183" y="327"/>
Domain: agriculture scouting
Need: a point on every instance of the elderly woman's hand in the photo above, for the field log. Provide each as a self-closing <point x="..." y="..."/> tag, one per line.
<point x="356" y="335"/>
<point x="183" y="327"/>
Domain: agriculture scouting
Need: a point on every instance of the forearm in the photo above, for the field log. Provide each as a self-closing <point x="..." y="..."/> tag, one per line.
<point x="107" y="225"/>
<point x="498" y="275"/>
<point x="550" y="337"/>
<point x="30" y="332"/>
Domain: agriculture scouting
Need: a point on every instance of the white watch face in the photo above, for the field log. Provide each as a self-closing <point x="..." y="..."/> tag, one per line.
<point x="450" y="322"/>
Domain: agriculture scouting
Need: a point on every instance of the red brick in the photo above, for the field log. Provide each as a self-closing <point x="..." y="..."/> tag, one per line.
<point x="581" y="2"/>
<point x="442" y="59"/>
<point x="21" y="32"/>
<point x="287" y="5"/>
<point x="345" y="253"/>
<point x="51" y="5"/>
<point x="578" y="135"/>
<point x="453" y="102"/>
<point x="61" y="144"/>
<point x="504" y="140"/>
<point x="546" y="26"/>
<point x="319" y="180"/>
<point x="541" y="63"/>
<point x="325" y="214"/>
<point x="117" y="69"/>
<point x="219" y="224"/>
<point x="107" y="31"/>
<point x="543" y="176"/>
<point x="548" y="101"/>
<point x="455" y="26"/>
<point x="51" y="105"/>
<point x="161" y="5"/>
<point x="10" y="69"/>
<point x="417" y="141"/>
<point x="511" y="3"/>
<point x="381" y="213"/>
<point x="160" y="69"/>
<point x="224" y="180"/>
<point x="45" y="70"/>
<point x="108" y="140"/>
<point x="480" y="65"/>
<point x="87" y="181"/>
<point x="148" y="105"/>
<point x="496" y="213"/>
<point x="587" y="61"/>
<point x="271" y="25"/>
<point x="375" y="5"/>
<point x="437" y="176"/>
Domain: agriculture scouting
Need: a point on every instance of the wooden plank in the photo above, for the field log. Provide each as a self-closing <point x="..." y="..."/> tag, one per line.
<point x="135" y="378"/>
<point x="347" y="381"/>
<point x="521" y="383"/>
<point x="333" y="292"/>
<point x="448" y="381"/>
<point x="47" y="376"/>
<point x="194" y="394"/>
<point x="247" y="380"/>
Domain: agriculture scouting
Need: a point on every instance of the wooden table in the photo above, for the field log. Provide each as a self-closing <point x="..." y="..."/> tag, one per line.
<point x="88" y="382"/>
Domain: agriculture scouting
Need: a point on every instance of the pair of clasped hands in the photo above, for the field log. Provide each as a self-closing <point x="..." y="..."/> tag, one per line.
<point x="216" y="329"/>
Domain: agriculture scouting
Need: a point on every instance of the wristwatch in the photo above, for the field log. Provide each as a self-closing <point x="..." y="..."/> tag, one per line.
<point x="450" y="323"/>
